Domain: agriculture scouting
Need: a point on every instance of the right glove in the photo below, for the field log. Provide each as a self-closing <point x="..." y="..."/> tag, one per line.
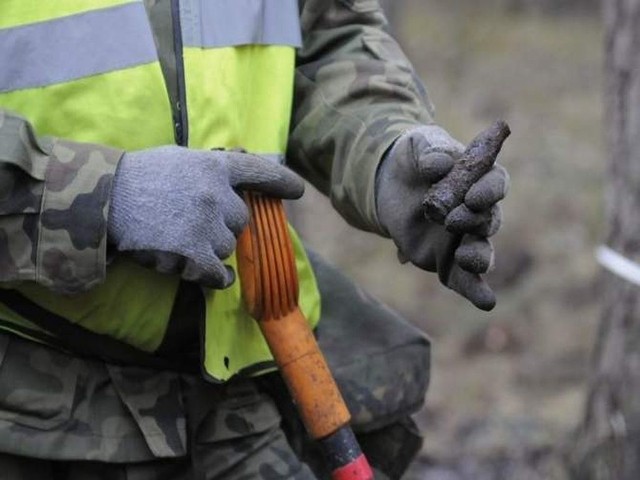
<point x="460" y="250"/>
<point x="178" y="211"/>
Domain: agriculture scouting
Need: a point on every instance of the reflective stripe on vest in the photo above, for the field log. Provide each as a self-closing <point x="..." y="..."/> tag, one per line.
<point x="239" y="22"/>
<point x="102" y="107"/>
<point x="252" y="111"/>
<point x="74" y="47"/>
<point x="236" y="96"/>
<point x="15" y="13"/>
<point x="91" y="92"/>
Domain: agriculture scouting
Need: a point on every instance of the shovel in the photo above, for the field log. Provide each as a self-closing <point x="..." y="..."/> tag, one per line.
<point x="269" y="282"/>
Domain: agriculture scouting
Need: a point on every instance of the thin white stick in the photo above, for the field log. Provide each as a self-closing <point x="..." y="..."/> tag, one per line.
<point x="618" y="264"/>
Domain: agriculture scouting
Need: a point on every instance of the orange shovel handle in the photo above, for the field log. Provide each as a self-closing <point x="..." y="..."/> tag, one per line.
<point x="269" y="280"/>
<point x="268" y="275"/>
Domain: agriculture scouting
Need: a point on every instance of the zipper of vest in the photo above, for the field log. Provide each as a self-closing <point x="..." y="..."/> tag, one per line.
<point x="181" y="122"/>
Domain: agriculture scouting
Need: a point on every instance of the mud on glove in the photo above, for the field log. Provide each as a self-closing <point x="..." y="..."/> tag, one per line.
<point x="178" y="211"/>
<point x="460" y="250"/>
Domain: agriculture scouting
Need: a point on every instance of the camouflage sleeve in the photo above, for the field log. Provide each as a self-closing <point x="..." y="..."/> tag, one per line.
<point x="54" y="196"/>
<point x="355" y="93"/>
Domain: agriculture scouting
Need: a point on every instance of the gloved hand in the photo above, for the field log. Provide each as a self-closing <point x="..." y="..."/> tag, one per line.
<point x="460" y="250"/>
<point x="178" y="210"/>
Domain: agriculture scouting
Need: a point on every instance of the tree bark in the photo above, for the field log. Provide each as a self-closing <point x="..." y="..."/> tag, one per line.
<point x="607" y="446"/>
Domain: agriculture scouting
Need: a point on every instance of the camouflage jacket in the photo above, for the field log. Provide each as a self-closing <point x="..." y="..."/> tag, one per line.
<point x="355" y="92"/>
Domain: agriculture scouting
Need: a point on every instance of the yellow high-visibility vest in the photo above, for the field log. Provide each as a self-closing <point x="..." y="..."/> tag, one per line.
<point x="88" y="71"/>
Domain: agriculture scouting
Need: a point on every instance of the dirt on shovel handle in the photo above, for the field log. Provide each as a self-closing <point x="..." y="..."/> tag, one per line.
<point x="476" y="161"/>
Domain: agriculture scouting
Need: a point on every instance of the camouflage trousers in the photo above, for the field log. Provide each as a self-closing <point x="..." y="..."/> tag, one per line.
<point x="246" y="430"/>
<point x="238" y="436"/>
<point x="65" y="417"/>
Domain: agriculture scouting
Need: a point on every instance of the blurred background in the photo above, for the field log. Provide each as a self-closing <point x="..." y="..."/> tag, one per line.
<point x="507" y="387"/>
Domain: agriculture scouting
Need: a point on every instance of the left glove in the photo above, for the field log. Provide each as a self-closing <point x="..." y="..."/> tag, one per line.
<point x="460" y="250"/>
<point x="179" y="211"/>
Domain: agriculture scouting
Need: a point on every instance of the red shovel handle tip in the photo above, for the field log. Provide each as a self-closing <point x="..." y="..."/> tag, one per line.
<point x="358" y="469"/>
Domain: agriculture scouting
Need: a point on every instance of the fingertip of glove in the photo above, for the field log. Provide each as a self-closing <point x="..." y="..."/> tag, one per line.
<point x="433" y="167"/>
<point x="486" y="302"/>
<point x="476" y="200"/>
<point x="473" y="287"/>
<point x="292" y="186"/>
<point x="489" y="190"/>
<point x="461" y="220"/>
<point x="472" y="261"/>
<point x="483" y="296"/>
<point x="297" y="190"/>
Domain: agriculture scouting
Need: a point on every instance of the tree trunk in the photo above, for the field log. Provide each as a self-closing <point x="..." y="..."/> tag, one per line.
<point x="607" y="446"/>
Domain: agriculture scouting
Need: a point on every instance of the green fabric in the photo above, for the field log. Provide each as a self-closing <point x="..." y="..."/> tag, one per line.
<point x="44" y="233"/>
<point x="355" y="94"/>
<point x="119" y="415"/>
<point x="230" y="351"/>
<point x="134" y="303"/>
<point x="59" y="406"/>
<point x="245" y="101"/>
<point x="82" y="110"/>
<point x="252" y="111"/>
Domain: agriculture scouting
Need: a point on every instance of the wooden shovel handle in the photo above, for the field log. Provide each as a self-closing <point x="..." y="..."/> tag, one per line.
<point x="269" y="280"/>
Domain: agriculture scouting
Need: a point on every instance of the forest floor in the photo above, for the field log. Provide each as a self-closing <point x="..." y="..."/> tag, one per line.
<point x="507" y="388"/>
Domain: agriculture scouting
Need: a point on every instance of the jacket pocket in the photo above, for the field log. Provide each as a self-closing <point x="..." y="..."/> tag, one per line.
<point x="37" y="384"/>
<point x="242" y="411"/>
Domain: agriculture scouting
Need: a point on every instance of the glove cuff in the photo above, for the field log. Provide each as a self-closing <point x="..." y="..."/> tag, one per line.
<point x="123" y="197"/>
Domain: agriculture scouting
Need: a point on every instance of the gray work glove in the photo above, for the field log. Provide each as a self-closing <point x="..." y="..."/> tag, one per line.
<point x="178" y="210"/>
<point x="460" y="250"/>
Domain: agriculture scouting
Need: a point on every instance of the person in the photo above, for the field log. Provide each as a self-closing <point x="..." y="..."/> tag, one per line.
<point x="128" y="130"/>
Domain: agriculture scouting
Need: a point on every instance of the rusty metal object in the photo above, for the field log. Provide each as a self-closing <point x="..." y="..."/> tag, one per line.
<point x="477" y="160"/>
